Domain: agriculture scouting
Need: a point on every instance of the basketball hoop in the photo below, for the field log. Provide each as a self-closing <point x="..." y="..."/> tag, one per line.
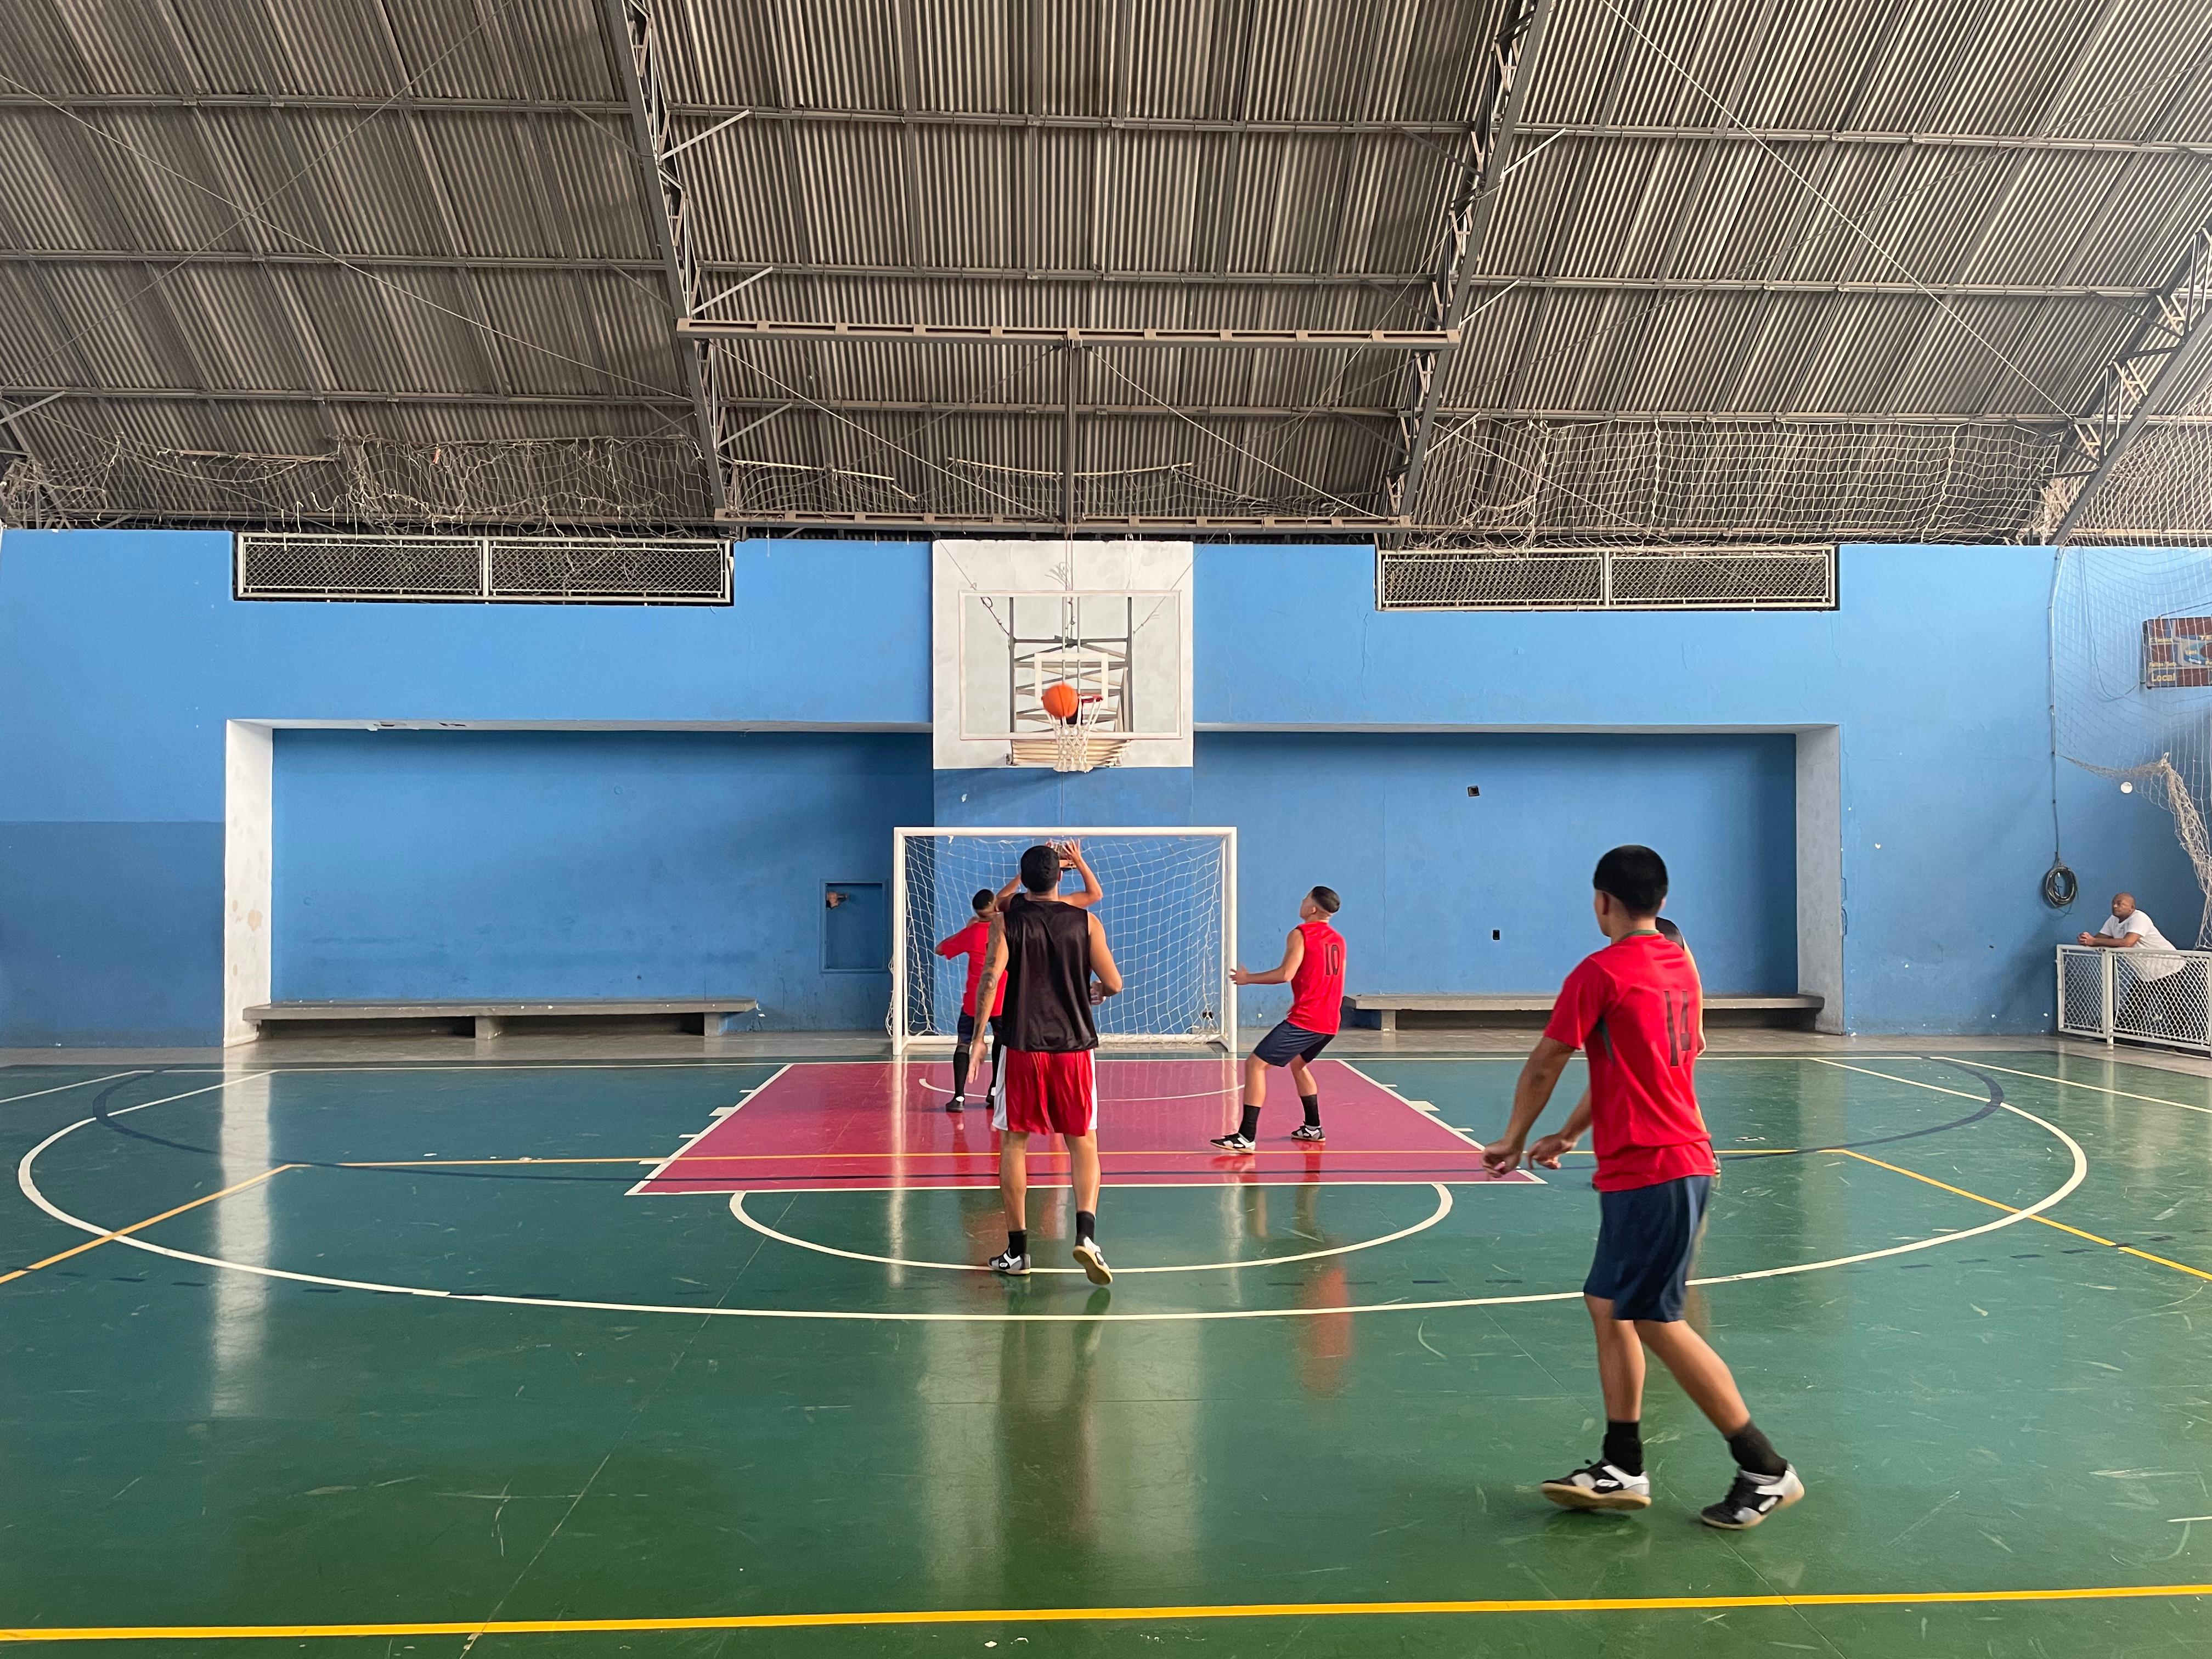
<point x="1071" y="741"/>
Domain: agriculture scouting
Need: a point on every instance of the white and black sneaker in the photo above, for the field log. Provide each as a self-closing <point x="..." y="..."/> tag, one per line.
<point x="1753" y="1498"/>
<point x="1234" y="1142"/>
<point x="1007" y="1264"/>
<point x="957" y="1103"/>
<point x="1308" y="1131"/>
<point x="1600" y="1486"/>
<point x="1093" y="1261"/>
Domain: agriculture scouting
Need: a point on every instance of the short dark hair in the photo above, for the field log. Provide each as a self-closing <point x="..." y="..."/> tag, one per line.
<point x="1635" y="876"/>
<point x="1326" y="897"/>
<point x="984" y="899"/>
<point x="1041" y="869"/>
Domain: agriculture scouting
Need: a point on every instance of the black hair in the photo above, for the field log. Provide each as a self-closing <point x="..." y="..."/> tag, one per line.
<point x="984" y="899"/>
<point x="1635" y="876"/>
<point x="1326" y="897"/>
<point x="1041" y="869"/>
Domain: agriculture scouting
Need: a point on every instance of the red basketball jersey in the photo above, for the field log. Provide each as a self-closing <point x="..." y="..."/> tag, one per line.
<point x="1633" y="1007"/>
<point x="1317" y="988"/>
<point x="974" y="942"/>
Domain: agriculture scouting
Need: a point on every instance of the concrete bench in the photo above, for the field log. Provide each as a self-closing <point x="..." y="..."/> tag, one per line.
<point x="1530" y="1007"/>
<point x="718" y="1016"/>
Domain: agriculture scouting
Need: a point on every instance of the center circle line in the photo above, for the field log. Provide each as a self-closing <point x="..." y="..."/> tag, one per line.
<point x="1442" y="1209"/>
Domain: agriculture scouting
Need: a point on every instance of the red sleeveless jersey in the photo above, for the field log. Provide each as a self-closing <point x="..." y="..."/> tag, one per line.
<point x="1317" y="988"/>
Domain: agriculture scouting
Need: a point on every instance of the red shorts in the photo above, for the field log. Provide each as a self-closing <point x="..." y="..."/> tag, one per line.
<point x="1049" y="1094"/>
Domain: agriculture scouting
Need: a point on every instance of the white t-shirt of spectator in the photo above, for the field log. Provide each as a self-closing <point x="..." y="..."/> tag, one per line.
<point x="2139" y="923"/>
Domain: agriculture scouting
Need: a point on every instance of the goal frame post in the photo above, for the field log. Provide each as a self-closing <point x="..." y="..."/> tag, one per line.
<point x="895" y="1016"/>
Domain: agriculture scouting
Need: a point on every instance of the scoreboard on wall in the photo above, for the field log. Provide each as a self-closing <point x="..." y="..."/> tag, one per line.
<point x="2176" y="652"/>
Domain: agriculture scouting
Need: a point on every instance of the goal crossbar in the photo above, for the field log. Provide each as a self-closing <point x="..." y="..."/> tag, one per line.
<point x="1169" y="908"/>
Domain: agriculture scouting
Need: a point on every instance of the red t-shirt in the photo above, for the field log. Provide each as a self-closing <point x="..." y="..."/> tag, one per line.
<point x="1633" y="1007"/>
<point x="1317" y="988"/>
<point x="974" y="942"/>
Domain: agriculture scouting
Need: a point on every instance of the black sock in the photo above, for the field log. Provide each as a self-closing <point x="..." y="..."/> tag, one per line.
<point x="961" y="1056"/>
<point x="1754" y="1452"/>
<point x="1017" y="1241"/>
<point x="1086" y="1226"/>
<point x="1250" y="1127"/>
<point x="1312" y="1104"/>
<point x="1624" y="1446"/>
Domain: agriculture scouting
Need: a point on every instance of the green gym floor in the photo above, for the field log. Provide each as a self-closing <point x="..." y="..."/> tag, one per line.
<point x="512" y="1408"/>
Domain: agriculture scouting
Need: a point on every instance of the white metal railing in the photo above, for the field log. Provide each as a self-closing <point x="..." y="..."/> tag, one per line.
<point x="2136" y="995"/>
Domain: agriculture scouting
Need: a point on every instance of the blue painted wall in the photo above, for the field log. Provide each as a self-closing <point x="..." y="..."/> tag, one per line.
<point x="122" y="654"/>
<point x="540" y="863"/>
<point x="1427" y="873"/>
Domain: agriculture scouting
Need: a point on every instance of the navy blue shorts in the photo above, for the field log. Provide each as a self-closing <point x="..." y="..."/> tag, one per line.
<point x="1287" y="1043"/>
<point x="1647" y="1238"/>
<point x="968" y="1027"/>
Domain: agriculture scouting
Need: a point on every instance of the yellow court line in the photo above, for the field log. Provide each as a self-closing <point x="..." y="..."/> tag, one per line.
<point x="831" y="1157"/>
<point x="122" y="1232"/>
<point x="2110" y="1243"/>
<point x="1103" y="1615"/>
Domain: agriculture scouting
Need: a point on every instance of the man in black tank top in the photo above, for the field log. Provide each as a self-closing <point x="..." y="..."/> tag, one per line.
<point x="1049" y="951"/>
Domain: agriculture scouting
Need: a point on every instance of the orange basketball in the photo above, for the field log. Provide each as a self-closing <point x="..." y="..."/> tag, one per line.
<point x="1060" y="701"/>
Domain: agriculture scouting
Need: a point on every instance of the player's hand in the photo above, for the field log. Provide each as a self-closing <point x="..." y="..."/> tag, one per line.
<point x="1548" y="1150"/>
<point x="1502" y="1156"/>
<point x="2085" y="939"/>
<point x="1070" y="853"/>
<point x="1242" y="976"/>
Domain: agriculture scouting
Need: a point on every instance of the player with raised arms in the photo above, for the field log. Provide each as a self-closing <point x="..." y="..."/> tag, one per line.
<point x="1636" y="1010"/>
<point x="1313" y="967"/>
<point x="1048" y="951"/>
<point x="972" y="942"/>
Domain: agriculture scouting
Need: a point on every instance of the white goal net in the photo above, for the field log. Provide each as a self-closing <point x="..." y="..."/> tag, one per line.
<point x="1168" y="911"/>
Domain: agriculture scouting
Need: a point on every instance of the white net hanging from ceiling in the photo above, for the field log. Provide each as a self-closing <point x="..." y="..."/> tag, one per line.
<point x="2112" y="610"/>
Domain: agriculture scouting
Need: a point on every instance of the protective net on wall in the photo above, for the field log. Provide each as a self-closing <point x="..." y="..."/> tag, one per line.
<point x="1164" y="913"/>
<point x="2131" y="692"/>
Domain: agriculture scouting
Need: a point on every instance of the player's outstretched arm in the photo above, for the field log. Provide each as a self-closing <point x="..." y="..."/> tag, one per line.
<point x="1070" y="858"/>
<point x="1007" y="892"/>
<point x="1549" y="1149"/>
<point x="1101" y="961"/>
<point x="1530" y="1096"/>
<point x="994" y="964"/>
<point x="1294" y="952"/>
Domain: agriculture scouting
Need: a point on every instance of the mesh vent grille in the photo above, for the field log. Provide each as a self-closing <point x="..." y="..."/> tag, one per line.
<point x="1607" y="579"/>
<point x="535" y="570"/>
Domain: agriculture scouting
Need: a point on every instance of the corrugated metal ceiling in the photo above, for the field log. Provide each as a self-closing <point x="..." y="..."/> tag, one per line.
<point x="316" y="227"/>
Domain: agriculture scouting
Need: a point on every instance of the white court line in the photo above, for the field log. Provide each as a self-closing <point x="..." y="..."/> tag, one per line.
<point x="1442" y="1209"/>
<point x="86" y="1083"/>
<point x="1432" y="1114"/>
<point x="30" y="1188"/>
<point x="2069" y="1083"/>
<point x="1936" y="1087"/>
<point x="713" y="1122"/>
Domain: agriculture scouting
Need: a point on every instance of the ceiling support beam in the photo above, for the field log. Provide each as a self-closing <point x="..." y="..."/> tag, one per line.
<point x="637" y="42"/>
<point x="709" y="113"/>
<point x="1483" y="168"/>
<point x="1381" y="339"/>
<point x="1382" y="280"/>
<point x="2167" y="342"/>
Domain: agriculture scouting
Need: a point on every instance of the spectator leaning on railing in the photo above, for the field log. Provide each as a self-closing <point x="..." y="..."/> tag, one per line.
<point x="2129" y="928"/>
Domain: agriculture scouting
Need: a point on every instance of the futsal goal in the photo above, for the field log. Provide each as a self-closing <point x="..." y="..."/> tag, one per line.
<point x="1169" y="913"/>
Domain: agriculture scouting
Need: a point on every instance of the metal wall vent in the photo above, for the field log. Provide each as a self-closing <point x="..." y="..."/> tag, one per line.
<point x="460" y="569"/>
<point x="1800" y="577"/>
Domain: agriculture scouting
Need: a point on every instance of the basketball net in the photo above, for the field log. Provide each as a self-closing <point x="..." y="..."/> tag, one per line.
<point x="1071" y="739"/>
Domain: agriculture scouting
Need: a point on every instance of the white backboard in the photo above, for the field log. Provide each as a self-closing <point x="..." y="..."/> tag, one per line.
<point x="1111" y="620"/>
